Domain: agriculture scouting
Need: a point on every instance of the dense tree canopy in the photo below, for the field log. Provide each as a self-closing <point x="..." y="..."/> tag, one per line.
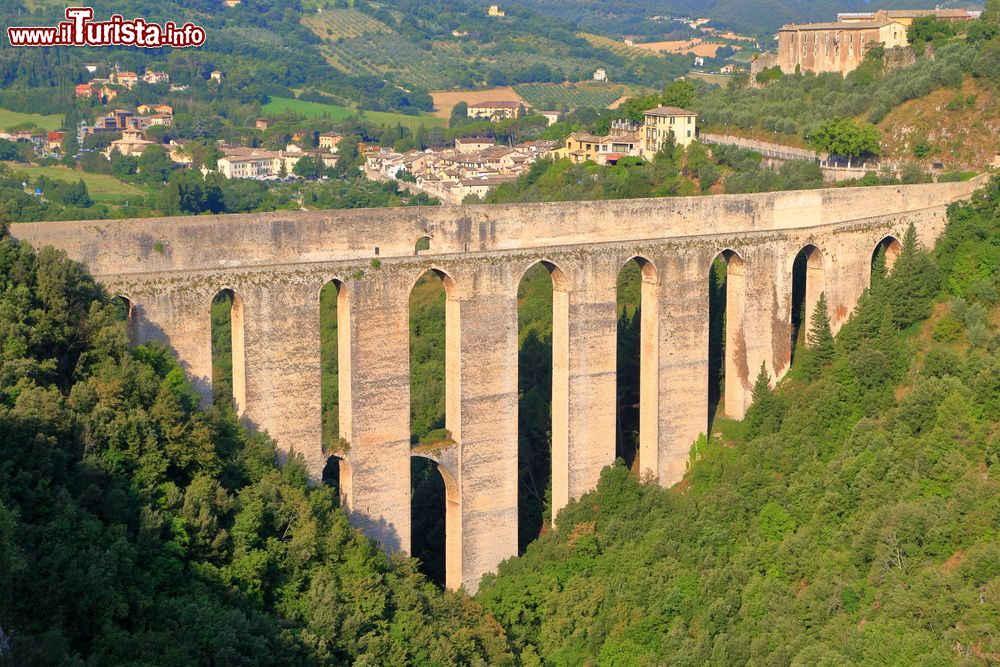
<point x="136" y="528"/>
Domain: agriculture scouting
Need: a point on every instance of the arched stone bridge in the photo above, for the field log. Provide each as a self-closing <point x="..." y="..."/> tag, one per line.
<point x="276" y="264"/>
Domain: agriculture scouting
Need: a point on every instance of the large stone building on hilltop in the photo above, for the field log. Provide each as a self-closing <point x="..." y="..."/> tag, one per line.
<point x="907" y="16"/>
<point x="834" y="47"/>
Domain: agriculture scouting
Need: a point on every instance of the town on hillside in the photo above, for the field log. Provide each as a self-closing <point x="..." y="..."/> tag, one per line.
<point x="194" y="120"/>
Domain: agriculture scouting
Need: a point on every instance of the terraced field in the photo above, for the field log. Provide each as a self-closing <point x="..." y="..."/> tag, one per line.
<point x="332" y="24"/>
<point x="618" y="48"/>
<point x="571" y="96"/>
<point x="382" y="54"/>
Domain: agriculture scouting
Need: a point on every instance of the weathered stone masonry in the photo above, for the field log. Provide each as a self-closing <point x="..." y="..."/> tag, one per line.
<point x="276" y="264"/>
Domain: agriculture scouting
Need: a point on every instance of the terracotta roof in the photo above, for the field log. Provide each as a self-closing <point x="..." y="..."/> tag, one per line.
<point x="496" y="105"/>
<point x="668" y="111"/>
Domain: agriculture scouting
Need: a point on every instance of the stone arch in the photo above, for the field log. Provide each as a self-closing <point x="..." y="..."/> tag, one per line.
<point x="452" y="337"/>
<point x="732" y="364"/>
<point x="648" y="365"/>
<point x="808" y="283"/>
<point x="543" y="375"/>
<point x="422" y="244"/>
<point x="891" y="248"/>
<point x="130" y="313"/>
<point x="236" y="343"/>
<point x="452" y="551"/>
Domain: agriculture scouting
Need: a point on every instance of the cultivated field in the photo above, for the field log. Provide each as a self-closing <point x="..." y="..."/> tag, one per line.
<point x="694" y="46"/>
<point x="12" y="118"/>
<point x="346" y="23"/>
<point x="553" y="96"/>
<point x="445" y="100"/>
<point x="318" y="110"/>
<point x="618" y="48"/>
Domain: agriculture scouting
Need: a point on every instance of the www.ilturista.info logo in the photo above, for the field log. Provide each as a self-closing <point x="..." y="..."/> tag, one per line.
<point x="79" y="30"/>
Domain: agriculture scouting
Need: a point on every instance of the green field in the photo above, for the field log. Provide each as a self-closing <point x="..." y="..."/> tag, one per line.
<point x="745" y="55"/>
<point x="12" y="118"/>
<point x="717" y="79"/>
<point x="278" y="105"/>
<point x="102" y="187"/>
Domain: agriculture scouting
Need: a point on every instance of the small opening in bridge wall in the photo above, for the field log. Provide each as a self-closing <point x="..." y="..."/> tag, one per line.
<point x="542" y="315"/>
<point x="725" y="326"/>
<point x="808" y="282"/>
<point x="422" y="244"/>
<point x="637" y="364"/>
<point x="884" y="257"/>
<point x="376" y="251"/>
<point x="126" y="312"/>
<point x="228" y="353"/>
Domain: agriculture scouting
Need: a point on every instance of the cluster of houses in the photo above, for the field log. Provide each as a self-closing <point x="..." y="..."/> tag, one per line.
<point x="472" y="167"/>
<point x="629" y="139"/>
<point x="261" y="164"/>
<point x="44" y="143"/>
<point x="106" y="89"/>
<point x="132" y="125"/>
<point x="840" y="46"/>
<point x="476" y="164"/>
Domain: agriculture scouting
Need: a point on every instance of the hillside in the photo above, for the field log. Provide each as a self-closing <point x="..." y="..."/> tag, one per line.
<point x="378" y="56"/>
<point x="757" y="17"/>
<point x="852" y="518"/>
<point x="956" y="127"/>
<point x="458" y="46"/>
<point x="939" y="109"/>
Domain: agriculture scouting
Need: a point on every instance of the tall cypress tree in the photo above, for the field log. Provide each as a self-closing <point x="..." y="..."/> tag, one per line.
<point x="764" y="416"/>
<point x="820" y="338"/>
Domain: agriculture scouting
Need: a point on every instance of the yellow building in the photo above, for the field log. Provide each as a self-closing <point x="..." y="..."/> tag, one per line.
<point x="662" y="122"/>
<point x="495" y="10"/>
<point x="581" y="147"/>
<point x="495" y="110"/>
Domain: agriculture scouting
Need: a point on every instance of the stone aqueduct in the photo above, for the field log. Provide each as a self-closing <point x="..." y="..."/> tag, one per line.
<point x="170" y="269"/>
